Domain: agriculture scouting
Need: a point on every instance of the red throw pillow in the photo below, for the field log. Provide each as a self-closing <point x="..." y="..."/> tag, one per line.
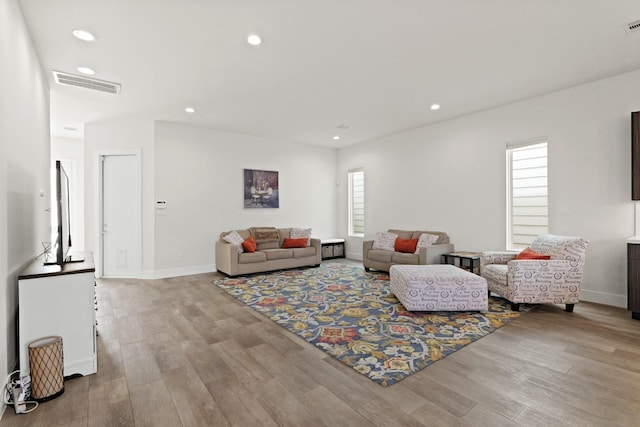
<point x="294" y="243"/>
<point x="249" y="245"/>
<point x="406" y="245"/>
<point x="527" y="253"/>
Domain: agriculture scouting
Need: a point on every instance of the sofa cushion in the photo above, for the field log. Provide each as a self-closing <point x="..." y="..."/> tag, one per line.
<point x="405" y="245"/>
<point x="304" y="252"/>
<point x="385" y="241"/>
<point x="403" y="234"/>
<point x="278" y="253"/>
<point x="294" y="243"/>
<point x="496" y="273"/>
<point x="404" y="258"/>
<point x="249" y="244"/>
<point x="251" y="257"/>
<point x="379" y="255"/>
<point x="297" y="233"/>
<point x="235" y="239"/>
<point x="425" y="240"/>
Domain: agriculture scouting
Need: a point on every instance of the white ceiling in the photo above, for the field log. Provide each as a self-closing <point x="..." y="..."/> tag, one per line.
<point x="374" y="65"/>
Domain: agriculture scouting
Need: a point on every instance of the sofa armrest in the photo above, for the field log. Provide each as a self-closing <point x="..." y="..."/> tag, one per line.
<point x="559" y="277"/>
<point x="227" y="258"/>
<point x="316" y="243"/>
<point x="366" y="247"/>
<point x="432" y="254"/>
<point x="496" y="257"/>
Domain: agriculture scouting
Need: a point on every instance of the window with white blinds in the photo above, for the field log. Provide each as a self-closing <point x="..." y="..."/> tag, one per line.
<point x="356" y="202"/>
<point x="527" y="204"/>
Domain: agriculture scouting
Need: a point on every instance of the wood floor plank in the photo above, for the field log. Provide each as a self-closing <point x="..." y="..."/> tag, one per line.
<point x="209" y="364"/>
<point x="382" y="414"/>
<point x="278" y="366"/>
<point x="167" y="352"/>
<point x="501" y="403"/>
<point x="432" y="415"/>
<point x="483" y="417"/>
<point x="139" y="364"/>
<point x="331" y="410"/>
<point x="238" y="403"/>
<point x="193" y="402"/>
<point x="110" y="404"/>
<point x="153" y="407"/>
<point x="283" y="406"/>
<point x="441" y="395"/>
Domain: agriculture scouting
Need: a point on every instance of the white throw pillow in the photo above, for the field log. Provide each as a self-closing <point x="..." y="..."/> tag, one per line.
<point x="425" y="240"/>
<point x="299" y="233"/>
<point x="235" y="239"/>
<point x="385" y="241"/>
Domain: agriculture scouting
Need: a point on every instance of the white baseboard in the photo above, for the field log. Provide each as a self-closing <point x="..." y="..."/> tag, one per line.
<point x="176" y="272"/>
<point x="354" y="255"/>
<point x="603" y="298"/>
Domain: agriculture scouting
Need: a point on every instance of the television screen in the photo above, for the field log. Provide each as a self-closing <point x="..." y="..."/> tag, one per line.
<point x="62" y="221"/>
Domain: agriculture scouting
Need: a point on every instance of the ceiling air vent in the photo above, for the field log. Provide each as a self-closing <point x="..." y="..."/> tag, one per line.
<point x="85" y="82"/>
<point x="632" y="27"/>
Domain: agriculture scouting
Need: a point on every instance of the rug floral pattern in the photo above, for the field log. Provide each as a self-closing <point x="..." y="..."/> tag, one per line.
<point x="353" y="316"/>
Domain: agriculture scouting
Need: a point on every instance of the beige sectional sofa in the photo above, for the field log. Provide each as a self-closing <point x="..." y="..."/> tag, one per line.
<point x="380" y="259"/>
<point x="269" y="254"/>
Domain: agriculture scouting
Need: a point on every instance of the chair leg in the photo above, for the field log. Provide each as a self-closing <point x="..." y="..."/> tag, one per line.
<point x="367" y="269"/>
<point x="569" y="308"/>
<point x="515" y="307"/>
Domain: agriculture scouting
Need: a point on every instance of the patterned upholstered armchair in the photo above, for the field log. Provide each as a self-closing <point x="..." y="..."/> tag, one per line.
<point x="534" y="281"/>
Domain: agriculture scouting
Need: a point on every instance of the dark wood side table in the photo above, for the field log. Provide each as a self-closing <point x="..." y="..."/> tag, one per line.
<point x="466" y="260"/>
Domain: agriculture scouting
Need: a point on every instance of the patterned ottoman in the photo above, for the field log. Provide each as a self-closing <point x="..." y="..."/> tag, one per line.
<point x="438" y="288"/>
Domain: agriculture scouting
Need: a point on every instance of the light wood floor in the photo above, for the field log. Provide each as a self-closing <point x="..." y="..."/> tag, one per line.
<point x="181" y="351"/>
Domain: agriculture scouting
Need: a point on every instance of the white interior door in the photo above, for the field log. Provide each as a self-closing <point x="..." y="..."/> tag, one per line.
<point x="120" y="216"/>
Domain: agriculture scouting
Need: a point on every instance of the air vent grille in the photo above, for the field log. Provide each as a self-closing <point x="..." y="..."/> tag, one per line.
<point x="85" y="82"/>
<point x="632" y="27"/>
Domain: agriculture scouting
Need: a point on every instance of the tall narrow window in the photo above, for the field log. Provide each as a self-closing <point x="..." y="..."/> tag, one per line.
<point x="356" y="202"/>
<point x="527" y="206"/>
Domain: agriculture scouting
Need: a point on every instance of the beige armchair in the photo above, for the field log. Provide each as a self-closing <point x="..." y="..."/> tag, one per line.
<point x="531" y="281"/>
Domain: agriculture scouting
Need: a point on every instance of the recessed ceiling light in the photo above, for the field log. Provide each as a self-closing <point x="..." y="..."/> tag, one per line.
<point x="84" y="35"/>
<point x="190" y="110"/>
<point x="86" y="70"/>
<point x="336" y="137"/>
<point x="254" y="39"/>
<point x="435" y="106"/>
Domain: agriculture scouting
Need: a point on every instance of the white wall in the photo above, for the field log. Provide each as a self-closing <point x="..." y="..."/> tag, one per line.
<point x="451" y="176"/>
<point x="199" y="173"/>
<point x="113" y="137"/>
<point x="24" y="168"/>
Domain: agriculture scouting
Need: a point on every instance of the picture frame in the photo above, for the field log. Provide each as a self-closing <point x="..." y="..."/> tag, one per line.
<point x="261" y="189"/>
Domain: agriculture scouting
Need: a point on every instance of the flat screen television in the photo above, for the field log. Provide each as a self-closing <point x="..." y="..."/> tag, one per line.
<point x="61" y="207"/>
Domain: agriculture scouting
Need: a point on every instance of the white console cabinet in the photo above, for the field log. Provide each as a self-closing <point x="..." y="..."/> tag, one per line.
<point x="59" y="301"/>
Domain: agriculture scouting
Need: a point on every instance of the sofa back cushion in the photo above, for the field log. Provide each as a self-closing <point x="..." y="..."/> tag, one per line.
<point x="561" y="247"/>
<point x="405" y="234"/>
<point x="243" y="233"/>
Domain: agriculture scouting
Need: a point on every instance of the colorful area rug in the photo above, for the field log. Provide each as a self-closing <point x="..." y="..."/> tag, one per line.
<point x="353" y="316"/>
